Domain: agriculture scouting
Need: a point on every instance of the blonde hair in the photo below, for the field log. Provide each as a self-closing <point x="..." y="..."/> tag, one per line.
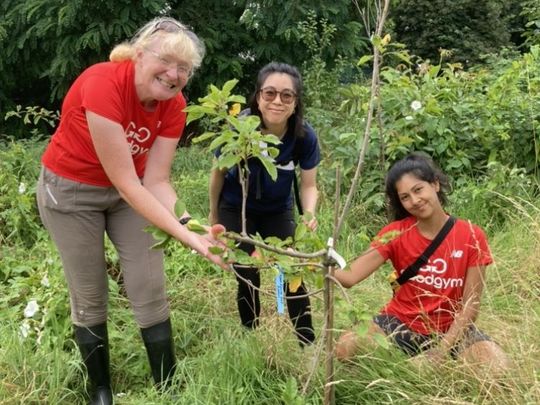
<point x="175" y="39"/>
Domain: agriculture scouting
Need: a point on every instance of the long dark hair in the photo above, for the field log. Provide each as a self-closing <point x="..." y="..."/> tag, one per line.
<point x="420" y="166"/>
<point x="296" y="120"/>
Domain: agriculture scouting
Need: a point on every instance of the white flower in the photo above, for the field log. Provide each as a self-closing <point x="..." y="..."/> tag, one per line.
<point x="49" y="261"/>
<point x="409" y="118"/>
<point x="416" y="105"/>
<point x="31" y="308"/>
<point x="24" y="329"/>
<point x="22" y="188"/>
<point x="45" y="281"/>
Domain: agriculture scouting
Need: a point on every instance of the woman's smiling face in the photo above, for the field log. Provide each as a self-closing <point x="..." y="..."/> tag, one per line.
<point x="418" y="197"/>
<point x="275" y="113"/>
<point x="159" y="76"/>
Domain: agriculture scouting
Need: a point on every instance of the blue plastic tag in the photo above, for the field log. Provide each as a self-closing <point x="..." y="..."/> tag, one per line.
<point x="280" y="281"/>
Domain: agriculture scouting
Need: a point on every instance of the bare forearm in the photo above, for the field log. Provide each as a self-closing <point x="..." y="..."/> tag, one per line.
<point x="309" y="197"/>
<point x="463" y="319"/>
<point x="217" y="178"/>
<point x="360" y="269"/>
<point x="164" y="193"/>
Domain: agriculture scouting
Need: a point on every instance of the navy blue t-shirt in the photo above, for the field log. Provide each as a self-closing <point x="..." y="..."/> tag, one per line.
<point x="275" y="196"/>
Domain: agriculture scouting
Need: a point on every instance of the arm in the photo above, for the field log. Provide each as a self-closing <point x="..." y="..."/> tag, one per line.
<point x="157" y="173"/>
<point x="309" y="194"/>
<point x="217" y="178"/>
<point x="474" y="285"/>
<point x="360" y="268"/>
<point x="114" y="155"/>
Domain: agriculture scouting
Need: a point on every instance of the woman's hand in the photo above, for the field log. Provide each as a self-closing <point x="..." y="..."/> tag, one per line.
<point x="212" y="238"/>
<point x="311" y="223"/>
<point x="213" y="217"/>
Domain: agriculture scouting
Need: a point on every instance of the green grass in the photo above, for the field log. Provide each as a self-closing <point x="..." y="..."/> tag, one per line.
<point x="221" y="363"/>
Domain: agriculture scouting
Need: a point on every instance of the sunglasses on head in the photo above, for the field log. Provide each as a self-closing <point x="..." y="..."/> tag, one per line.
<point x="168" y="25"/>
<point x="270" y="93"/>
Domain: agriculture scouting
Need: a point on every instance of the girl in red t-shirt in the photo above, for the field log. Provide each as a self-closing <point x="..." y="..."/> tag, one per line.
<point x="433" y="312"/>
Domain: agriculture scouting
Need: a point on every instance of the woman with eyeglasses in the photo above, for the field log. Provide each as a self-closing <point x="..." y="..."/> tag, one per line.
<point x="106" y="172"/>
<point x="277" y="100"/>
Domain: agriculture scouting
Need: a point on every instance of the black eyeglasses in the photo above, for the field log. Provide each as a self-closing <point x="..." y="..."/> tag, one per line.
<point x="270" y="93"/>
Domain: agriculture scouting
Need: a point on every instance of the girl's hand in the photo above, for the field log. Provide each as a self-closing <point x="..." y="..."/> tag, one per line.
<point x="435" y="356"/>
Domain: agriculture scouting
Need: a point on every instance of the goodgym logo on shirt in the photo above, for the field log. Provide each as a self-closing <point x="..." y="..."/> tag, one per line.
<point x="433" y="274"/>
<point x="136" y="138"/>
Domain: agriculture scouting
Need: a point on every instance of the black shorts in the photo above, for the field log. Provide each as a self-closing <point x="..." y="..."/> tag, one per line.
<point x="414" y="343"/>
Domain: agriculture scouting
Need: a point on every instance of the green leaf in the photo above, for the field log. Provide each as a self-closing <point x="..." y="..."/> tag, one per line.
<point x="362" y="329"/>
<point x="194" y="226"/>
<point x="300" y="232"/>
<point x="381" y="340"/>
<point x="179" y="208"/>
<point x="229" y="85"/>
<point x="162" y="244"/>
<point x="203" y="137"/>
<point x="364" y="59"/>
<point x="269" y="166"/>
<point x="216" y="250"/>
<point x="237" y="99"/>
<point x="227" y="161"/>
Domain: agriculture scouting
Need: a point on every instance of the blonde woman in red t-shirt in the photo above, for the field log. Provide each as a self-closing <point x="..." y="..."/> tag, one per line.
<point x="106" y="171"/>
<point x="432" y="313"/>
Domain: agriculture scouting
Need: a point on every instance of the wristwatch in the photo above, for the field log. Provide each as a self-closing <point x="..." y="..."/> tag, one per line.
<point x="184" y="220"/>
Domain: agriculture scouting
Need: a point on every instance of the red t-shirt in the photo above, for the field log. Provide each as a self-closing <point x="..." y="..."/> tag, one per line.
<point x="428" y="302"/>
<point x="108" y="89"/>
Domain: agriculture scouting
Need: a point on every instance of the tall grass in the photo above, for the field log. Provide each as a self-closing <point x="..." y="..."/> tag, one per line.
<point x="221" y="363"/>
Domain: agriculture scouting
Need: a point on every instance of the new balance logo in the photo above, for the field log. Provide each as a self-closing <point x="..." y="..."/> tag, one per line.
<point x="457" y="254"/>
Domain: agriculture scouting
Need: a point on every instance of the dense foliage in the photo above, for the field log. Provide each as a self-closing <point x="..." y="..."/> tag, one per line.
<point x="469" y="29"/>
<point x="482" y="123"/>
<point x="45" y="45"/>
<point x="531" y="14"/>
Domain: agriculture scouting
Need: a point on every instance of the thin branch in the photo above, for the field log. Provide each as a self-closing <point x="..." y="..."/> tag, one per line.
<point x="335" y="280"/>
<point x="243" y="173"/>
<point x="288" y="252"/>
<point x="374" y="91"/>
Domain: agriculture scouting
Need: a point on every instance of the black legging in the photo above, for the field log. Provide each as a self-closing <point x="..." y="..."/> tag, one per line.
<point x="280" y="225"/>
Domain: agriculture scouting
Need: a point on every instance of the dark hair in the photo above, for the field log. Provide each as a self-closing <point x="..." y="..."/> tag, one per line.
<point x="420" y="166"/>
<point x="296" y="120"/>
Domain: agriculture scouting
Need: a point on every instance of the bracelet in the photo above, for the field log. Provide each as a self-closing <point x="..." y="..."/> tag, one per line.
<point x="184" y="220"/>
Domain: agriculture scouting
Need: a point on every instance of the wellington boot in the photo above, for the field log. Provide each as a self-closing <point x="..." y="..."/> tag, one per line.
<point x="102" y="396"/>
<point x="159" y="346"/>
<point x="94" y="347"/>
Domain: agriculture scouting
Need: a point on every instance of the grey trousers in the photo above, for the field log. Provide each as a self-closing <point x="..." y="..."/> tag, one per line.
<point x="77" y="217"/>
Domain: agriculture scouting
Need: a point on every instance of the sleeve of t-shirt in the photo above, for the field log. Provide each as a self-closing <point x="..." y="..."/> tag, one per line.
<point x="310" y="154"/>
<point x="385" y="241"/>
<point x="173" y="119"/>
<point x="479" y="252"/>
<point x="100" y="94"/>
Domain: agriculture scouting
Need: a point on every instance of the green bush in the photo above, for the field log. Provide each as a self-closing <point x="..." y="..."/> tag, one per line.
<point x="19" y="171"/>
<point x="469" y="122"/>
